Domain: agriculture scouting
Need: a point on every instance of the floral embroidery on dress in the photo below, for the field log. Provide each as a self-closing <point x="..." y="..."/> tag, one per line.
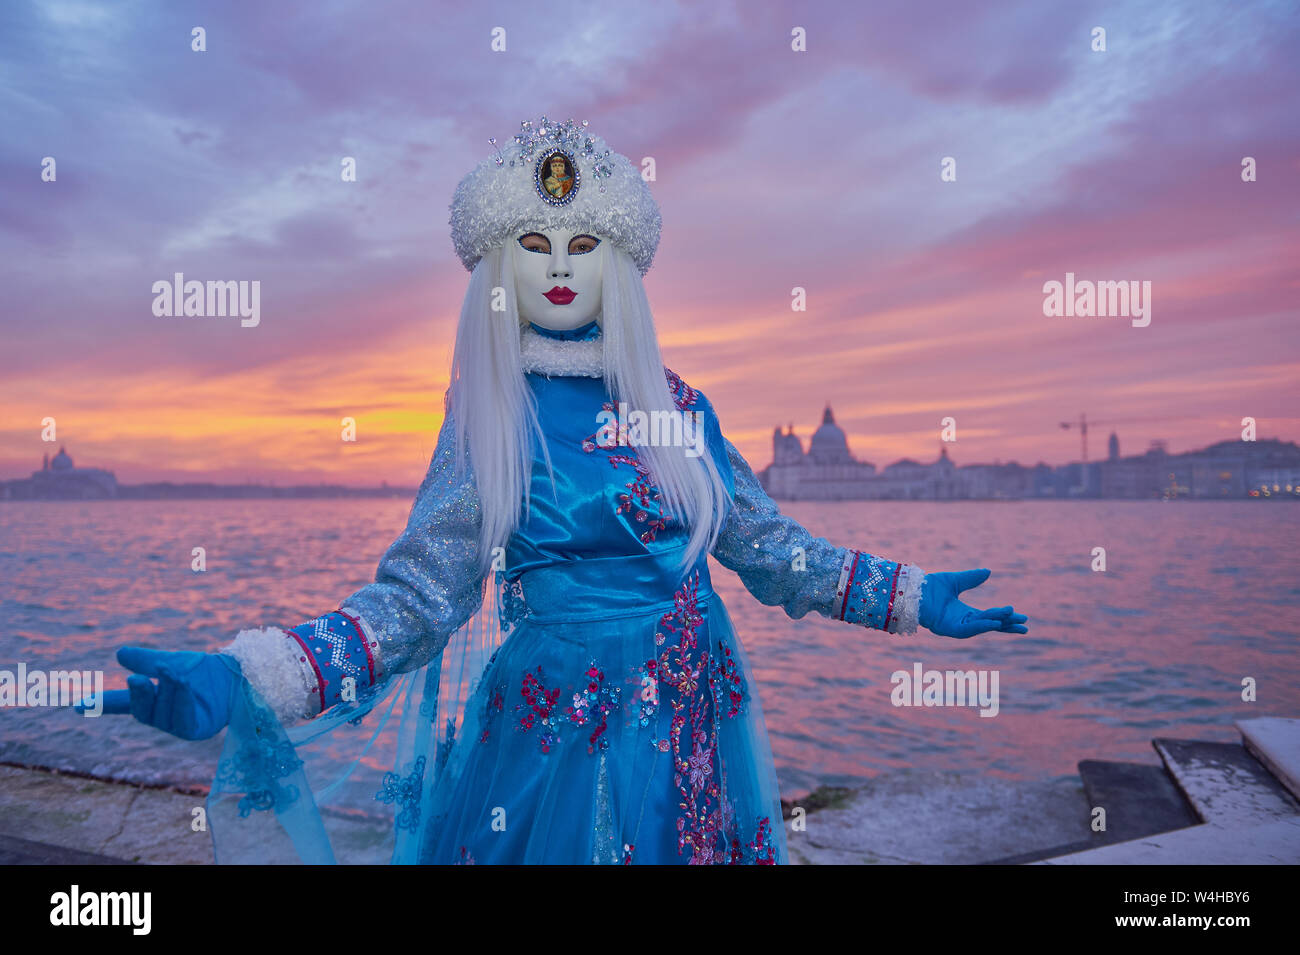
<point x="649" y="692"/>
<point x="591" y="705"/>
<point x="697" y="681"/>
<point x="684" y="672"/>
<point x="256" y="767"/>
<point x="726" y="673"/>
<point x="496" y="703"/>
<point x="614" y="435"/>
<point x="594" y="704"/>
<point x="641" y="497"/>
<point x="511" y="607"/>
<point x="758" y="851"/>
<point x="762" y="849"/>
<point x="683" y="394"/>
<point x="537" y="706"/>
<point x="404" y="791"/>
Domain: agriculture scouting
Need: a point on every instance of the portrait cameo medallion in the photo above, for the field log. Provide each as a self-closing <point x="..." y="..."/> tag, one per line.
<point x="557" y="178"/>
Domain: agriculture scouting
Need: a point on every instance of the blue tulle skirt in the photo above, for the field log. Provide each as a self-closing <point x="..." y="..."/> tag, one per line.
<point x="617" y="740"/>
<point x="589" y="731"/>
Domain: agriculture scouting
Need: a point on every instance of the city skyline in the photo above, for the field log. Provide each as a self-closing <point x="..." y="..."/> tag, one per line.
<point x="827" y="469"/>
<point x="760" y="463"/>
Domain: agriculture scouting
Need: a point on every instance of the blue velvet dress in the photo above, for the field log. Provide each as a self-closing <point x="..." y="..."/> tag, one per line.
<point x="607" y="713"/>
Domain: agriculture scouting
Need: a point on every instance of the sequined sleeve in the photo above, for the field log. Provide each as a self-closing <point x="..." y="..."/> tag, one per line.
<point x="428" y="583"/>
<point x="782" y="564"/>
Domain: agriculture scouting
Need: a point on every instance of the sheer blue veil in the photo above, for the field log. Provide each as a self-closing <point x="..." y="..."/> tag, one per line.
<point x="350" y="786"/>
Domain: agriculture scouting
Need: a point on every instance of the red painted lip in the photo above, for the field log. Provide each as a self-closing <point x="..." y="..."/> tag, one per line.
<point x="560" y="295"/>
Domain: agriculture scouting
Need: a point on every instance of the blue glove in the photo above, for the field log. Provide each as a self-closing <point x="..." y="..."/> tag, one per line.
<point x="942" y="613"/>
<point x="192" y="698"/>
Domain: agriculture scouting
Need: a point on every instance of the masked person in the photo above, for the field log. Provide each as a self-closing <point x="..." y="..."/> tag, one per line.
<point x="542" y="649"/>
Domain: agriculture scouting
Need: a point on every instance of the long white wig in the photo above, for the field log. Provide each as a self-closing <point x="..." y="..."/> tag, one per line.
<point x="495" y="414"/>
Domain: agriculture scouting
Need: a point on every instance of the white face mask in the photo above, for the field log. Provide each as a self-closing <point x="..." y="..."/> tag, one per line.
<point x="558" y="277"/>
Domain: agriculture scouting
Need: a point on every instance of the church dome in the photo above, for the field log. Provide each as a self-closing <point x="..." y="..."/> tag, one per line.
<point x="829" y="445"/>
<point x="61" y="462"/>
<point x="786" y="447"/>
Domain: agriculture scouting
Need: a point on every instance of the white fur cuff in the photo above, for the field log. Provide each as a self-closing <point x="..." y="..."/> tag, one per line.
<point x="907" y="600"/>
<point x="271" y="662"/>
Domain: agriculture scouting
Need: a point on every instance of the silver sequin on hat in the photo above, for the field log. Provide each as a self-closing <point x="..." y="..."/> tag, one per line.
<point x="554" y="176"/>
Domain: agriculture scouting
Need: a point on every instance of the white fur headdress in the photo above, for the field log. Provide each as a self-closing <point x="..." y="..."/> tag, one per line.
<point x="554" y="176"/>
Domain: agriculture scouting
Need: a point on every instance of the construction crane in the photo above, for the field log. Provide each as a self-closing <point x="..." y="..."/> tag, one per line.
<point x="1082" y="425"/>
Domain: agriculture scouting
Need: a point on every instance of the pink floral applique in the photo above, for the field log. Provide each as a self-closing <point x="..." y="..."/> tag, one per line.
<point x="727" y="674"/>
<point x="536" y="709"/>
<point x="762" y="850"/>
<point x="682" y="668"/>
<point x="641" y="500"/>
<point x="592" y="702"/>
<point x="683" y="394"/>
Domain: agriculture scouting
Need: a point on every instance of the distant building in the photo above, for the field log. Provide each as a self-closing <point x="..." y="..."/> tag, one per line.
<point x="60" y="479"/>
<point x="1226" y="470"/>
<point x="911" y="480"/>
<point x="1267" y="468"/>
<point x="998" y="481"/>
<point x="1264" y="468"/>
<point x="827" y="472"/>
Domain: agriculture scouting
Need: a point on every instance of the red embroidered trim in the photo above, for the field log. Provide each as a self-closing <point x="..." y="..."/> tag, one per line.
<point x="684" y="396"/>
<point x="311" y="658"/>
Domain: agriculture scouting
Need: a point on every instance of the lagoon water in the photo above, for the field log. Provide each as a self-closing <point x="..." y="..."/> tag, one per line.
<point x="1196" y="598"/>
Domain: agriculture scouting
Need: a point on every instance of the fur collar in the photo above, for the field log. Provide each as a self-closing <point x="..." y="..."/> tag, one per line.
<point x="555" y="357"/>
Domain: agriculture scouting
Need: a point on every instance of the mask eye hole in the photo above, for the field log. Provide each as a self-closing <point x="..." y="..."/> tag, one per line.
<point x="535" y="242"/>
<point x="582" y="244"/>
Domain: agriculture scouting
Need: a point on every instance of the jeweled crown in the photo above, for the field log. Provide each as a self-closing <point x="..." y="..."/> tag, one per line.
<point x="514" y="191"/>
<point x="567" y="135"/>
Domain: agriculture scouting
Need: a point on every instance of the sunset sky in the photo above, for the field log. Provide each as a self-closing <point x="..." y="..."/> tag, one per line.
<point x="775" y="169"/>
